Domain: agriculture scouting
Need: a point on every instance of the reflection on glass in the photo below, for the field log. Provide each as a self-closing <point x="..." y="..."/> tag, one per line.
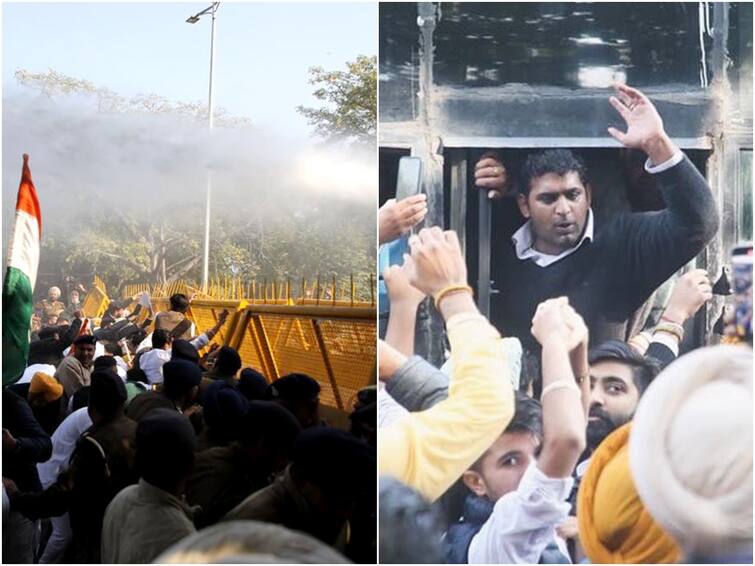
<point x="571" y="45"/>
<point x="745" y="182"/>
<point x="399" y="60"/>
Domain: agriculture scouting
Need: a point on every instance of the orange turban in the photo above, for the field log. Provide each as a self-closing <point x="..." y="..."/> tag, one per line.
<point x="614" y="525"/>
<point x="47" y="385"/>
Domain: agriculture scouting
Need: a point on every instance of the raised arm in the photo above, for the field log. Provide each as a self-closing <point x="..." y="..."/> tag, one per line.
<point x="564" y="420"/>
<point x="656" y="244"/>
<point x="405" y="300"/>
<point x="429" y="450"/>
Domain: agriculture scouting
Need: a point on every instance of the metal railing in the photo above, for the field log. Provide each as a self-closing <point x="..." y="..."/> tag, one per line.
<point x="328" y="335"/>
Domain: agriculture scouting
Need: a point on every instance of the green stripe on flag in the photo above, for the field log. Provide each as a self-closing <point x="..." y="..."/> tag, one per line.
<point x="17" y="311"/>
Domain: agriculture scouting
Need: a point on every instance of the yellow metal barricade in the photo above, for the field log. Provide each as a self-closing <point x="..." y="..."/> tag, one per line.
<point x="279" y="329"/>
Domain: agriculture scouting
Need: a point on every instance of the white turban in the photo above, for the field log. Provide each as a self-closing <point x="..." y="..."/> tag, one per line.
<point x="690" y="449"/>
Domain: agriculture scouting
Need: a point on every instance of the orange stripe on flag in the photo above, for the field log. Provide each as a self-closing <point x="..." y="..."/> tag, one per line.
<point x="27" y="195"/>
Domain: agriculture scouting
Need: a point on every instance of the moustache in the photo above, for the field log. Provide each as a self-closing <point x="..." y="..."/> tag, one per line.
<point x="600" y="414"/>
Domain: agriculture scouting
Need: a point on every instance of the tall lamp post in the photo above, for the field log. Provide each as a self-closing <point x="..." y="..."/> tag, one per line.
<point x="192" y="20"/>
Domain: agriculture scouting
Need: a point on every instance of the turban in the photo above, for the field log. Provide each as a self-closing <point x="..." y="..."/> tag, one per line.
<point x="614" y="525"/>
<point x="249" y="542"/>
<point x="181" y="375"/>
<point x="227" y="362"/>
<point x="107" y="392"/>
<point x="224" y="407"/>
<point x="183" y="350"/>
<point x="294" y="387"/>
<point x="691" y="449"/>
<point x="252" y="384"/>
<point x="47" y="385"/>
<point x="163" y="435"/>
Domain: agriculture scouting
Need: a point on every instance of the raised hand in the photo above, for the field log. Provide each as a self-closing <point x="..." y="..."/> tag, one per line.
<point x="395" y="218"/>
<point x="436" y="261"/>
<point x="400" y="291"/>
<point x="691" y="291"/>
<point x="549" y="324"/>
<point x="644" y="125"/>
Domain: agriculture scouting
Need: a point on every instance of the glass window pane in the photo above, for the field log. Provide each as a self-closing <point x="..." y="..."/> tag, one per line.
<point x="745" y="195"/>
<point x="574" y="45"/>
<point x="399" y="61"/>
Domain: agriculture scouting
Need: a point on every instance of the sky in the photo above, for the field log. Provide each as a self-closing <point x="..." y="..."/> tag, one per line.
<point x="263" y="50"/>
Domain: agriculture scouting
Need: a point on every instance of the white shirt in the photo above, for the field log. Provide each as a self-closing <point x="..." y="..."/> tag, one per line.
<point x="34" y="368"/>
<point x="523" y="522"/>
<point x="121" y="367"/>
<point x="523" y="244"/>
<point x="64" y="440"/>
<point x="199" y="342"/>
<point x="151" y="363"/>
<point x="523" y="240"/>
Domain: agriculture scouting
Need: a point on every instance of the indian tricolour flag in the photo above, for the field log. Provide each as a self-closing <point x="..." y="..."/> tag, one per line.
<point x="23" y="261"/>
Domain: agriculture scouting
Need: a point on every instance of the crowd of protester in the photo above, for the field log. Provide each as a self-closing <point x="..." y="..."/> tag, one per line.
<point x="573" y="438"/>
<point x="123" y="446"/>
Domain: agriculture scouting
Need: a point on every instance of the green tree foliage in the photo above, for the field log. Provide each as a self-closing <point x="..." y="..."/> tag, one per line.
<point x="350" y="97"/>
<point x="52" y="83"/>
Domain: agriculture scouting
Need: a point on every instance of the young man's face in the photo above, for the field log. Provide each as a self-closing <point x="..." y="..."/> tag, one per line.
<point x="85" y="354"/>
<point x="502" y="466"/>
<point x="613" y="394"/>
<point x="557" y="206"/>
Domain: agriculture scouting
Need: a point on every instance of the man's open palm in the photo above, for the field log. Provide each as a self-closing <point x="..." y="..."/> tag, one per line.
<point x="642" y="119"/>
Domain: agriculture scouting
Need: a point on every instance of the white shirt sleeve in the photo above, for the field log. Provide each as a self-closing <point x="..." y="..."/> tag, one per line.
<point x="63" y="442"/>
<point x="523" y="522"/>
<point x="200" y="341"/>
<point x="676" y="159"/>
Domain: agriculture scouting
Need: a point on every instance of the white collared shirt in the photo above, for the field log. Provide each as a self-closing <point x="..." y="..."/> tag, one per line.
<point x="523" y="243"/>
<point x="522" y="238"/>
<point x="524" y="521"/>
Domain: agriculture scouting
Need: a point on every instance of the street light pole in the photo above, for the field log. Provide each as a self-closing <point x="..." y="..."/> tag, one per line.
<point x="206" y="254"/>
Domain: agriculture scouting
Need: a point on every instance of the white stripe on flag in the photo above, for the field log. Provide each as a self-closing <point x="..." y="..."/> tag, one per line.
<point x="24" y="246"/>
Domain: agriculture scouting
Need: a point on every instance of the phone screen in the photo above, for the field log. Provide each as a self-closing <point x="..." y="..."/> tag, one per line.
<point x="409" y="180"/>
<point x="741" y="263"/>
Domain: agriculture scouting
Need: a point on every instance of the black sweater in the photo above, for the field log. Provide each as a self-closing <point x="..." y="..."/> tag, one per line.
<point x="607" y="279"/>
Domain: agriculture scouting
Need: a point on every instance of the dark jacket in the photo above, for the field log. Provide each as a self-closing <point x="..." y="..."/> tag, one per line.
<point x="283" y="503"/>
<point x="143" y="403"/>
<point x="34" y="445"/>
<point x="222" y="478"/>
<point x="102" y="464"/>
<point x="606" y="280"/>
<point x="477" y="510"/>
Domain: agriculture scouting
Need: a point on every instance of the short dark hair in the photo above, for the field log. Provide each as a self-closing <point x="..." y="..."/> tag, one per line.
<point x="160" y="338"/>
<point x="528" y="418"/>
<point x="105" y="363"/>
<point x="228" y="361"/>
<point x="179" y="302"/>
<point x="644" y="369"/>
<point x="558" y="161"/>
<point x="410" y="527"/>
